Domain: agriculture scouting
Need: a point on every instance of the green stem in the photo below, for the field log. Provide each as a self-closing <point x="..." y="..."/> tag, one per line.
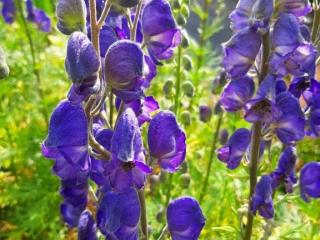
<point x="111" y="109"/>
<point x="256" y="139"/>
<point x="136" y="21"/>
<point x="164" y="232"/>
<point x="315" y="24"/>
<point x="213" y="148"/>
<point x="34" y="62"/>
<point x="143" y="217"/>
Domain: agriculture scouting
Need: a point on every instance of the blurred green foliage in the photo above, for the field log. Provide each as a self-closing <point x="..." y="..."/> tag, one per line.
<point x="29" y="199"/>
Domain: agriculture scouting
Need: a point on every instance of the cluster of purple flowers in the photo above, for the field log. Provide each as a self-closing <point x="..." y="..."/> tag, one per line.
<point x="286" y="101"/>
<point x="34" y="15"/>
<point x="82" y="141"/>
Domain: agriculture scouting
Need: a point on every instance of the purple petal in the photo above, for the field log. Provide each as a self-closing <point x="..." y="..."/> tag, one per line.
<point x="8" y="11"/>
<point x="310" y="181"/>
<point x="87" y="227"/>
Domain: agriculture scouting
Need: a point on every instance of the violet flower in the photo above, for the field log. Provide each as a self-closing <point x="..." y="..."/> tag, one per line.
<point x="299" y="8"/>
<point x="240" y="15"/>
<point x="167" y="141"/>
<point x="87" y="227"/>
<point x="160" y="32"/>
<point x="39" y="17"/>
<point x="185" y="219"/>
<point x="314" y="117"/>
<point x="8" y="11"/>
<point x="310" y="181"/>
<point x="205" y="113"/>
<point x="262" y="199"/>
<point x="232" y="152"/>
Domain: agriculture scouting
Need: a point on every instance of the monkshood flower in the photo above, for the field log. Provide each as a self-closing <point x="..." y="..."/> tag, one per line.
<point x="310" y="92"/>
<point x="167" y="141"/>
<point x="240" y="52"/>
<point x="74" y="200"/>
<point x="240" y="15"/>
<point x="205" y="113"/>
<point x="262" y="199"/>
<point x="232" y="152"/>
<point x="298" y="85"/>
<point x="237" y="93"/>
<point x="185" y="219"/>
<point x="8" y="11"/>
<point x="299" y="8"/>
<point x="314" y="117"/>
<point x="127" y="167"/>
<point x="125" y="69"/>
<point x="160" y="31"/>
<point x="310" y="181"/>
<point x="285" y="172"/>
<point x="82" y="62"/>
<point x="67" y="141"/>
<point x="107" y="37"/>
<point x="118" y="214"/>
<point x="289" y="125"/>
<point x="87" y="227"/>
<point x="71" y="16"/>
<point x="39" y="17"/>
<point x="261" y="13"/>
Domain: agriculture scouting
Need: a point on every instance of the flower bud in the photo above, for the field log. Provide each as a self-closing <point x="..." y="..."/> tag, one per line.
<point x="185" y="180"/>
<point x="185" y="41"/>
<point x="188" y="88"/>
<point x="185" y="118"/>
<point x="187" y="63"/>
<point x="184" y="167"/>
<point x="217" y="109"/>
<point x="167" y="87"/>
<point x="185" y="10"/>
<point x="205" y="113"/>
<point x="176" y="4"/>
<point x="181" y="20"/>
<point x="223" y="136"/>
<point x="126" y="3"/>
<point x="71" y="16"/>
<point x="4" y="69"/>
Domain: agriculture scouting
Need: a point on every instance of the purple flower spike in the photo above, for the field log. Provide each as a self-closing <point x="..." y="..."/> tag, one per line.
<point x="167" y="141"/>
<point x="310" y="181"/>
<point x="67" y="141"/>
<point x="185" y="219"/>
<point x="299" y="8"/>
<point x="237" y="93"/>
<point x="159" y="30"/>
<point x="290" y="124"/>
<point x="8" y="11"/>
<point x="262" y="198"/>
<point x="240" y="16"/>
<point x="87" y="227"/>
<point x="82" y="62"/>
<point x="285" y="171"/>
<point x="233" y="151"/>
<point x="240" y="52"/>
<point x="39" y="17"/>
<point x="118" y="215"/>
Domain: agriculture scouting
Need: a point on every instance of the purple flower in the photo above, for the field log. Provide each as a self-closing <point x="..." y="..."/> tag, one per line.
<point x="71" y="16"/>
<point x="87" y="227"/>
<point x="298" y="85"/>
<point x="160" y="32"/>
<point x="261" y="13"/>
<point x="240" y="16"/>
<point x="118" y="215"/>
<point x="75" y="200"/>
<point x="289" y="125"/>
<point x="240" y="52"/>
<point x="262" y="199"/>
<point x="299" y="8"/>
<point x="310" y="181"/>
<point x="205" y="113"/>
<point x="80" y="92"/>
<point x="39" y="17"/>
<point x="232" y="152"/>
<point x="237" y="93"/>
<point x="127" y="167"/>
<point x="8" y="11"/>
<point x="167" y="141"/>
<point x="285" y="173"/>
<point x="314" y="117"/>
<point x="67" y="141"/>
<point x="82" y="62"/>
<point x="185" y="219"/>
<point x="125" y="69"/>
<point x="127" y="3"/>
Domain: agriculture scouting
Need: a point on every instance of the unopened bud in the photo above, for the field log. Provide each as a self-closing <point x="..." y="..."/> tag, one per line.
<point x="188" y="89"/>
<point x="185" y="180"/>
<point x="167" y="87"/>
<point x="176" y="4"/>
<point x="181" y="20"/>
<point x="185" y="10"/>
<point x="185" y="118"/>
<point x="205" y="113"/>
<point x="187" y="63"/>
<point x="185" y="41"/>
<point x="223" y="136"/>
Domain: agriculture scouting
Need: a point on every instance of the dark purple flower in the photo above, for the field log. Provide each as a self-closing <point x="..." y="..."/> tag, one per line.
<point x="261" y="13"/>
<point x="167" y="141"/>
<point x="240" y="15"/>
<point x="237" y="93"/>
<point x="74" y="200"/>
<point x="240" y="52"/>
<point x="314" y="117"/>
<point x="71" y="16"/>
<point x="310" y="181"/>
<point x="39" y="17"/>
<point x="233" y="151"/>
<point x="297" y="7"/>
<point x="285" y="172"/>
<point x="81" y="92"/>
<point x="160" y="32"/>
<point x="87" y="227"/>
<point x="205" y="113"/>
<point x="8" y="11"/>
<point x="298" y="85"/>
<point x="314" y="89"/>
<point x="67" y="141"/>
<point x="289" y="125"/>
<point x="82" y="62"/>
<point x="185" y="219"/>
<point x="118" y="215"/>
<point x="262" y="199"/>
